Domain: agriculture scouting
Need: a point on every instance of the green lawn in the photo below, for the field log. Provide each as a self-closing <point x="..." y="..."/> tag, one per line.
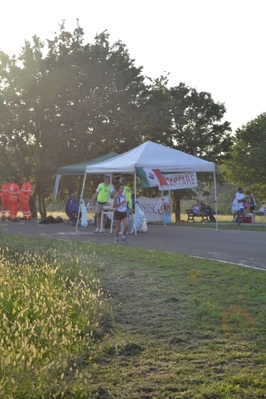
<point x="98" y="321"/>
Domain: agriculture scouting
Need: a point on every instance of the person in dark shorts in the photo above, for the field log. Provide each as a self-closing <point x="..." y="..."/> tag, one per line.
<point x="252" y="204"/>
<point x="120" y="205"/>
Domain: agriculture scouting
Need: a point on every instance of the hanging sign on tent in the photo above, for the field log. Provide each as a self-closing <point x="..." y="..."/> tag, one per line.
<point x="153" y="208"/>
<point x="178" y="181"/>
<point x="150" y="177"/>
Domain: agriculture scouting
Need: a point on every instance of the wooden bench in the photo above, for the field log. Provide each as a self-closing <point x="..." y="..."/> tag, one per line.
<point x="191" y="216"/>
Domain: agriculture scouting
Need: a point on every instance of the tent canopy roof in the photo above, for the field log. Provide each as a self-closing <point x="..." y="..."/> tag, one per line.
<point x="80" y="168"/>
<point x="154" y="156"/>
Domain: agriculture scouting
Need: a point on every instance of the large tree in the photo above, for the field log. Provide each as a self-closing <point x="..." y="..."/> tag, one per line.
<point x="190" y="121"/>
<point x="64" y="101"/>
<point x="247" y="164"/>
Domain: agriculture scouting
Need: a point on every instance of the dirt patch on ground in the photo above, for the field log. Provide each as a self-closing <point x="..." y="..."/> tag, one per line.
<point x="144" y="302"/>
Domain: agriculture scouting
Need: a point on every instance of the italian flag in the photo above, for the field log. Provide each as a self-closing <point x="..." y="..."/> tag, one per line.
<point x="150" y="177"/>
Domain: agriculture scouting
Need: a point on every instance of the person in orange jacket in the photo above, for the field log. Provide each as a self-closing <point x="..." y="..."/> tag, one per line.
<point x="14" y="196"/>
<point x="4" y="194"/>
<point x="25" y="194"/>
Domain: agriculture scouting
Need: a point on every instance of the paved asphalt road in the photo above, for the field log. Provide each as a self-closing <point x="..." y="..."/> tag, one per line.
<point x="246" y="248"/>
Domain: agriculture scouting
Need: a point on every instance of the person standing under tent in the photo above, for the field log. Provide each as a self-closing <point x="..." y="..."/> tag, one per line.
<point x="120" y="204"/>
<point x="25" y="194"/>
<point x="14" y="197"/>
<point x="128" y="195"/>
<point x="102" y="195"/>
<point x="4" y="194"/>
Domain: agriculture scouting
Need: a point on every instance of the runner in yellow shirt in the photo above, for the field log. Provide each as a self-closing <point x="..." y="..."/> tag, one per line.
<point x="102" y="196"/>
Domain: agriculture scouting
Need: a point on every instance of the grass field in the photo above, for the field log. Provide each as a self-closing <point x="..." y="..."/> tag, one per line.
<point x="225" y="222"/>
<point x="221" y="218"/>
<point x="183" y="216"/>
<point x="95" y="321"/>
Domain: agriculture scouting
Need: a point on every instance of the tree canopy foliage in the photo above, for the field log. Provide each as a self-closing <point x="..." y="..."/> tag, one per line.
<point x="64" y="101"/>
<point x="247" y="164"/>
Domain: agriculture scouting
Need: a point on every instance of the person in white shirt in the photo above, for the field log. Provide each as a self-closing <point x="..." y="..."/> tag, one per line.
<point x="240" y="197"/>
<point x="128" y="195"/>
<point x="197" y="209"/>
<point x="120" y="205"/>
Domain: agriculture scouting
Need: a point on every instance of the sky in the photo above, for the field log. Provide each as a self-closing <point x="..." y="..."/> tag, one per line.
<point x="217" y="46"/>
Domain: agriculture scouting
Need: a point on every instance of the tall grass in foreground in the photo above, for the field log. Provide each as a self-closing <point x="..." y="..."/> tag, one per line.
<point x="184" y="328"/>
<point x="51" y="306"/>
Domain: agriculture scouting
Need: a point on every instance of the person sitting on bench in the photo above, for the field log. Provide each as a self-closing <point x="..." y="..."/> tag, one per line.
<point x="197" y="209"/>
<point x="207" y="211"/>
<point x="72" y="208"/>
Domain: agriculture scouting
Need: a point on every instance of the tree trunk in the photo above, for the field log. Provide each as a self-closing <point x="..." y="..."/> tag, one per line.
<point x="41" y="201"/>
<point x="176" y="206"/>
<point x="32" y="204"/>
<point x="44" y="212"/>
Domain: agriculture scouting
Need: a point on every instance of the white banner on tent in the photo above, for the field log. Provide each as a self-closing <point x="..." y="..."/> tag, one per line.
<point x="178" y="181"/>
<point x="153" y="208"/>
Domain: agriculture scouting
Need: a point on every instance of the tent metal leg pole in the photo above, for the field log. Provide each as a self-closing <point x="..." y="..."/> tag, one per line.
<point x="135" y="199"/>
<point x="215" y="200"/>
<point x="164" y="223"/>
<point x="57" y="180"/>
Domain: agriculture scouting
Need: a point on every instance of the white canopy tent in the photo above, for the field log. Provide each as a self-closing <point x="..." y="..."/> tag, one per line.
<point x="154" y="156"/>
